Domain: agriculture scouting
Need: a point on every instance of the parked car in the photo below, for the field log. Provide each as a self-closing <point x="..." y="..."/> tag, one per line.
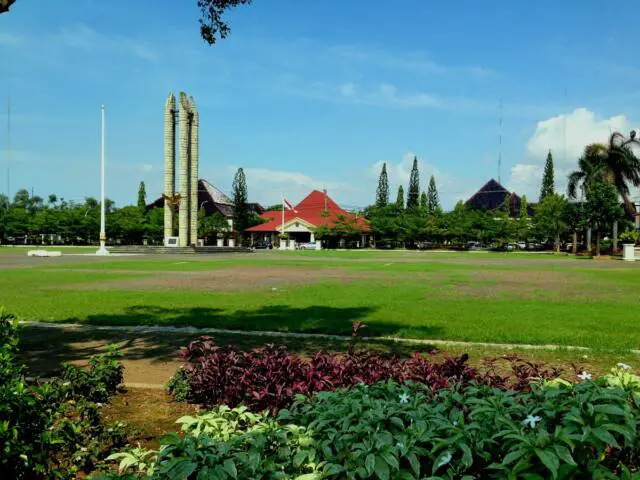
<point x="263" y="245"/>
<point x="307" y="246"/>
<point x="522" y="245"/>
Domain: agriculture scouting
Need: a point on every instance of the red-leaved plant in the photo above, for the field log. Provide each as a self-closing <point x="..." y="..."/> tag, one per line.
<point x="269" y="377"/>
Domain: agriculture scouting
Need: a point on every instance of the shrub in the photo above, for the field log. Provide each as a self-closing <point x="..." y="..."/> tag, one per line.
<point x="270" y="377"/>
<point x="53" y="429"/>
<point x="407" y="431"/>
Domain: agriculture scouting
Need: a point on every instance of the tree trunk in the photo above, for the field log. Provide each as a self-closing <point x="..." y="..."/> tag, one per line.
<point x="589" y="240"/>
<point x="574" y="247"/>
<point x="557" y="243"/>
<point x="598" y="243"/>
<point x="615" y="237"/>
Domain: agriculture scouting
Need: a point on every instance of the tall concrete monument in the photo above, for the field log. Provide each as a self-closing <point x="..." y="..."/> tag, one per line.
<point x="185" y="116"/>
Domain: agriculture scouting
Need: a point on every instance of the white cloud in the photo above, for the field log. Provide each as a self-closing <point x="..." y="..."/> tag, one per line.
<point x="9" y="39"/>
<point x="83" y="37"/>
<point x="565" y="135"/>
<point x="347" y="89"/>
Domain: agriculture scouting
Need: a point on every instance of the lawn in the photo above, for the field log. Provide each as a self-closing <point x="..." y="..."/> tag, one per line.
<point x="497" y="298"/>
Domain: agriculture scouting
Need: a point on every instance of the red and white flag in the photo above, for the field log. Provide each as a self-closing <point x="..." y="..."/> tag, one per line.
<point x="288" y="206"/>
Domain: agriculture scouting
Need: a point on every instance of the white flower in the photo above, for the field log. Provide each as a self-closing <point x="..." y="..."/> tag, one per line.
<point x="24" y="457"/>
<point x="531" y="420"/>
<point x="585" y="376"/>
<point x="66" y="384"/>
<point x="624" y="366"/>
<point x="83" y="449"/>
<point x="99" y="405"/>
<point x="455" y="423"/>
<point x="446" y="458"/>
<point x="400" y="445"/>
<point x="404" y="398"/>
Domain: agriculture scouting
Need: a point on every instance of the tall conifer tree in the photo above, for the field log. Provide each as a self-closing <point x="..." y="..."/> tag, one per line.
<point x="413" y="194"/>
<point x="433" y="202"/>
<point x="400" y="198"/>
<point x="547" y="179"/>
<point x="382" y="193"/>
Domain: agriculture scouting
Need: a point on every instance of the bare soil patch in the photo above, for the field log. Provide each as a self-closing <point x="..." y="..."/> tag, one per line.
<point x="523" y="284"/>
<point x="229" y="279"/>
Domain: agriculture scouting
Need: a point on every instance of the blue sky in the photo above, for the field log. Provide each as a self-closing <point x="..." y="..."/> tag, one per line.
<point x="309" y="94"/>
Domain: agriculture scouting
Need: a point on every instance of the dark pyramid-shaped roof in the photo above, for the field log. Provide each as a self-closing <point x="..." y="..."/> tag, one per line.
<point x="491" y="197"/>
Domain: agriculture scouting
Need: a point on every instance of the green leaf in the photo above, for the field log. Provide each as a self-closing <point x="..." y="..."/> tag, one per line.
<point x="414" y="462"/>
<point x="332" y="469"/>
<point x="391" y="460"/>
<point x="299" y="458"/>
<point x="610" y="410"/>
<point x="605" y="436"/>
<point x="513" y="456"/>
<point x="230" y="467"/>
<point x="549" y="459"/>
<point x="181" y="470"/>
<point x="382" y="469"/>
<point x="564" y="454"/>
<point x="467" y="457"/>
<point x="309" y="476"/>
<point x="370" y="463"/>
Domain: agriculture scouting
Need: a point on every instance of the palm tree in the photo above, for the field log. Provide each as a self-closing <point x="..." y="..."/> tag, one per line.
<point x="614" y="163"/>
<point x="623" y="166"/>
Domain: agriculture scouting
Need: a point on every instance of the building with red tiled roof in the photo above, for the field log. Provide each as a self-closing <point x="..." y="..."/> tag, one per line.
<point x="316" y="211"/>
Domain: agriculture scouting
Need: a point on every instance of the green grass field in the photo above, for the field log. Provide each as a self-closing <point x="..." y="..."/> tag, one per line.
<point x="498" y="298"/>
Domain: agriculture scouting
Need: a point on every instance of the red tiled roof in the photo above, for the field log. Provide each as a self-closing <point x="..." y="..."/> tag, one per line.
<point x="308" y="210"/>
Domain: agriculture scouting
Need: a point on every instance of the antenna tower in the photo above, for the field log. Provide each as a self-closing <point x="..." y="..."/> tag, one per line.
<point x="500" y="145"/>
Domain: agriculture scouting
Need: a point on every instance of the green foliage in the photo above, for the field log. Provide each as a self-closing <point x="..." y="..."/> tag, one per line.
<point x="413" y="193"/>
<point x="142" y="197"/>
<point x="550" y="217"/>
<point x="424" y="202"/>
<point x="241" y="212"/>
<point x="382" y="192"/>
<point x="547" y="187"/>
<point x="602" y="208"/>
<point x="391" y="431"/>
<point x="433" y="202"/>
<point x="179" y="386"/>
<point x="53" y="429"/>
<point x="212" y="26"/>
<point x="630" y="237"/>
<point x="400" y="198"/>
<point x="211" y="225"/>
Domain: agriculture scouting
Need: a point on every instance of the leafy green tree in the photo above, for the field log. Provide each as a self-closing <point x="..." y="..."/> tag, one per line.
<point x="212" y="25"/>
<point x="382" y="192"/>
<point x="210" y="226"/>
<point x="413" y="194"/>
<point x="523" y="225"/>
<point x="241" y="212"/>
<point x="550" y="219"/>
<point x="547" y="179"/>
<point x="142" y="196"/>
<point x="400" y="199"/>
<point x="424" y="202"/>
<point x="574" y="218"/>
<point x="433" y="202"/>
<point x="602" y="209"/>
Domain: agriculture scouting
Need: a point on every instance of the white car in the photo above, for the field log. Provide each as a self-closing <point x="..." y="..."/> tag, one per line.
<point x="307" y="246"/>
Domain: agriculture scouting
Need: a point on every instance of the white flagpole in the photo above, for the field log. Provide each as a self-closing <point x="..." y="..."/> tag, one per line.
<point x="282" y="227"/>
<point x="103" y="236"/>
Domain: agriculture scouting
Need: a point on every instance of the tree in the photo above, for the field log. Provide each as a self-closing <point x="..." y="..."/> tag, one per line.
<point x="574" y="218"/>
<point x="241" y="212"/>
<point x="523" y="220"/>
<point x="142" y="197"/>
<point x="382" y="192"/>
<point x="424" y="202"/>
<point x="400" y="199"/>
<point x="413" y="194"/>
<point x="547" y="179"/>
<point x="5" y="5"/>
<point x="212" y="225"/>
<point x="212" y="26"/>
<point x="433" y="202"/>
<point x="52" y="199"/>
<point x="602" y="208"/>
<point x="550" y="218"/>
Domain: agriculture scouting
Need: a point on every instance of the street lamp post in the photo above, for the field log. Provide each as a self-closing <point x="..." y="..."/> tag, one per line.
<point x="103" y="235"/>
